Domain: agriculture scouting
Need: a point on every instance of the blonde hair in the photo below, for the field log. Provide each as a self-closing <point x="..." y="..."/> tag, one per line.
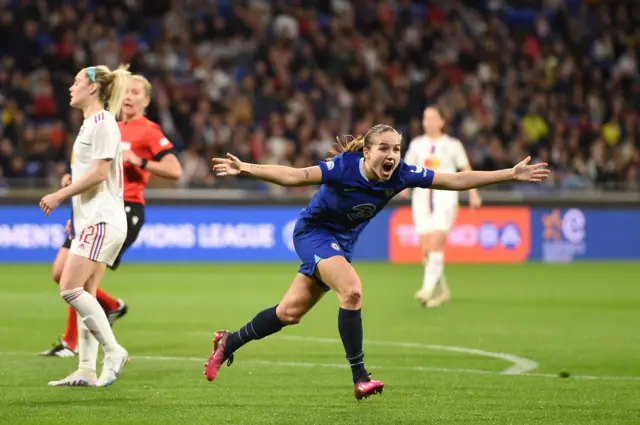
<point x="348" y="143"/>
<point x="146" y="84"/>
<point x="112" y="86"/>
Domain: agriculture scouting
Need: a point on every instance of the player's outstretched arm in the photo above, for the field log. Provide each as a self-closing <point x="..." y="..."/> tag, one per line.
<point x="278" y="174"/>
<point x="466" y="180"/>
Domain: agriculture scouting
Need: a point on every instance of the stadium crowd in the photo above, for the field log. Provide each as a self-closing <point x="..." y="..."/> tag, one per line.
<point x="274" y="82"/>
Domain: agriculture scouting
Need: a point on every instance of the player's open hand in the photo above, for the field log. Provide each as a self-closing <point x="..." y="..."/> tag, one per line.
<point x="50" y="202"/>
<point x="229" y="166"/>
<point x="530" y="173"/>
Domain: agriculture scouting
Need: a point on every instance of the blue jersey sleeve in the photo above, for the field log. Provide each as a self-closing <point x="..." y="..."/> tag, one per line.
<point x="416" y="176"/>
<point x="332" y="170"/>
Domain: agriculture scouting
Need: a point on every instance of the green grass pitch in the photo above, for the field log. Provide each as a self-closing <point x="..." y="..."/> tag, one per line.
<point x="491" y="356"/>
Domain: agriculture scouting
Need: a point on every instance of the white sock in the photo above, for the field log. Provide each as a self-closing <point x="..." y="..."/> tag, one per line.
<point x="87" y="347"/>
<point x="93" y="317"/>
<point x="433" y="271"/>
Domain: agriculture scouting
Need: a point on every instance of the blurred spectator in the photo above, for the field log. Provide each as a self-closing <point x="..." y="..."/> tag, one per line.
<point x="277" y="81"/>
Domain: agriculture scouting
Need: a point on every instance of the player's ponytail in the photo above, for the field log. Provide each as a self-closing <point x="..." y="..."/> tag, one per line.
<point x="349" y="143"/>
<point x="112" y="85"/>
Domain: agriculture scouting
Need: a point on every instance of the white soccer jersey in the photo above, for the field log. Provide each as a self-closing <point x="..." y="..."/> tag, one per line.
<point x="435" y="209"/>
<point x="99" y="138"/>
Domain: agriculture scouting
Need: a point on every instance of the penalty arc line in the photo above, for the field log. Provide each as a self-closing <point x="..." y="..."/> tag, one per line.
<point x="520" y="366"/>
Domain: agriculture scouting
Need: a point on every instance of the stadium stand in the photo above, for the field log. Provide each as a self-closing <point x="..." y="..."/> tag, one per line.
<point x="274" y="81"/>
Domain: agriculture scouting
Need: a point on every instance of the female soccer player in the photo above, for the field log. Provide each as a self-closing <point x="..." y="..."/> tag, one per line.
<point x="99" y="223"/>
<point x="356" y="183"/>
<point x="434" y="212"/>
<point x="146" y="151"/>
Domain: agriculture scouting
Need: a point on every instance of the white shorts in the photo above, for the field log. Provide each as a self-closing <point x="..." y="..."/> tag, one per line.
<point x="100" y="242"/>
<point x="439" y="218"/>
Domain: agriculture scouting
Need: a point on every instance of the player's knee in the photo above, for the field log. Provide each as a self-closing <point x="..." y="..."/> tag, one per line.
<point x="351" y="298"/>
<point x="289" y="315"/>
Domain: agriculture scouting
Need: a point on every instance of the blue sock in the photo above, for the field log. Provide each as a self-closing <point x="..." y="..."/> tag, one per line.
<point x="262" y="325"/>
<point x="350" y="327"/>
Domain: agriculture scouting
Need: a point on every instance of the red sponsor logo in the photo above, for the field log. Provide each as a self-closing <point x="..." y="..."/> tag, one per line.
<point x="486" y="235"/>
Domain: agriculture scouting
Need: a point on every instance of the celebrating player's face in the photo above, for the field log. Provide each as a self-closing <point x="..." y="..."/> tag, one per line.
<point x="135" y="100"/>
<point x="81" y="89"/>
<point x="432" y="121"/>
<point x="384" y="155"/>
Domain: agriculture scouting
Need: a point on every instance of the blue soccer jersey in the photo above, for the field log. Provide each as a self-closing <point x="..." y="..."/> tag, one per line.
<point x="347" y="200"/>
<point x="344" y="205"/>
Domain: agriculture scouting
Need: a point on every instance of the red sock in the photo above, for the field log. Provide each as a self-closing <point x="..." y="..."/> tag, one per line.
<point x="107" y="302"/>
<point x="71" y="334"/>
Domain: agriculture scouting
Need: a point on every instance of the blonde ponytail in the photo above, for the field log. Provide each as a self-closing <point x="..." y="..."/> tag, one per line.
<point x="347" y="143"/>
<point x="112" y="86"/>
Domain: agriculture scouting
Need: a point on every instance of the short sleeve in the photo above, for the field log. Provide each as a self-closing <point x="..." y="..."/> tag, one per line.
<point x="411" y="156"/>
<point x="460" y="156"/>
<point x="105" y="139"/>
<point x="158" y="143"/>
<point x="416" y="176"/>
<point x="332" y="169"/>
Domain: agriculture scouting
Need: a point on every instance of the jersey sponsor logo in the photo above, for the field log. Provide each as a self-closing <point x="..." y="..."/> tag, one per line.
<point x="432" y="163"/>
<point x="330" y="165"/>
<point x="362" y="212"/>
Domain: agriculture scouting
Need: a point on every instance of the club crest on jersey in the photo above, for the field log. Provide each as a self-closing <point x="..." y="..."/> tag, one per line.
<point x="335" y="246"/>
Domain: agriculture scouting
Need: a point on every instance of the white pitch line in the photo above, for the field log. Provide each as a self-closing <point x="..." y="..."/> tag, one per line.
<point x="409" y="368"/>
<point x="520" y="366"/>
<point x="345" y="366"/>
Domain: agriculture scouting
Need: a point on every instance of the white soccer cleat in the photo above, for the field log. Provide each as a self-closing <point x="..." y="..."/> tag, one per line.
<point x="423" y="296"/>
<point x="79" y="378"/>
<point x="113" y="364"/>
<point x="440" y="299"/>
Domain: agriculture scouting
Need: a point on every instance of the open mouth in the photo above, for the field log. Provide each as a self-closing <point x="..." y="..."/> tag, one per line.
<point x="387" y="167"/>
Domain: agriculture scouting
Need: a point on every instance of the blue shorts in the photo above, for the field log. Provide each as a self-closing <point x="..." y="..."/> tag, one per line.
<point x="313" y="244"/>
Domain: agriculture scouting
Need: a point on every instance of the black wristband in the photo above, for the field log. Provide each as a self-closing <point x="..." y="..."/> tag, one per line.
<point x="143" y="163"/>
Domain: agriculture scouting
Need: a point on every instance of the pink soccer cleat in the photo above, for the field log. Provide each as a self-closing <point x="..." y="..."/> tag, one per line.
<point x="365" y="389"/>
<point x="217" y="358"/>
